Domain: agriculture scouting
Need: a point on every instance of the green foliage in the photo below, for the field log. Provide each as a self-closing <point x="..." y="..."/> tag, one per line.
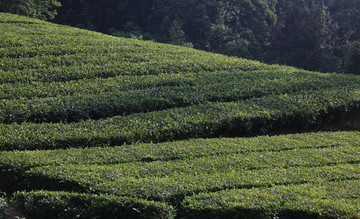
<point x="177" y="150"/>
<point x="177" y="35"/>
<point x="72" y="102"/>
<point x="93" y="99"/>
<point x="353" y="65"/>
<point x="305" y="36"/>
<point x="171" y="171"/>
<point x="324" y="200"/>
<point x="173" y="187"/>
<point x="62" y="54"/>
<point x="251" y="117"/>
<point x="47" y="204"/>
<point x="170" y="175"/>
<point x="41" y="9"/>
<point x="179" y="22"/>
<point x="3" y="204"/>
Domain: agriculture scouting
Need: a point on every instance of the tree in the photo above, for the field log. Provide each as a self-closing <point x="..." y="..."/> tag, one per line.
<point x="346" y="13"/>
<point x="233" y="27"/>
<point x="353" y="58"/>
<point x="251" y="22"/>
<point x="304" y="36"/>
<point x="177" y="35"/>
<point x="41" y="9"/>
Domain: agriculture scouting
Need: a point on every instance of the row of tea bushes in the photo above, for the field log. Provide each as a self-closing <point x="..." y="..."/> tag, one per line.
<point x="105" y="70"/>
<point x="187" y="149"/>
<point x="255" y="116"/>
<point x="253" y="166"/>
<point x="262" y="81"/>
<point x="107" y="104"/>
<point x="172" y="180"/>
<point x="175" y="187"/>
<point x="12" y="18"/>
<point x="188" y="177"/>
<point x="94" y="86"/>
<point x="171" y="171"/>
<point x="170" y="183"/>
<point x="67" y="205"/>
<point x="207" y="165"/>
<point x="324" y="200"/>
<point x="319" y="200"/>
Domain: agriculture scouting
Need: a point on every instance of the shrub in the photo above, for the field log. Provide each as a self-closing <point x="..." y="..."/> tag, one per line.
<point x="325" y="200"/>
<point x="3" y="204"/>
<point x="47" y="204"/>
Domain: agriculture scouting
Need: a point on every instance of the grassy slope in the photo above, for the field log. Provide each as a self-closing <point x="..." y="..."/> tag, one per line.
<point x="63" y="87"/>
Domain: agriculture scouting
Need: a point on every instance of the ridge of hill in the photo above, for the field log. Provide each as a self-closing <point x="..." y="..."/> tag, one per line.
<point x="89" y="123"/>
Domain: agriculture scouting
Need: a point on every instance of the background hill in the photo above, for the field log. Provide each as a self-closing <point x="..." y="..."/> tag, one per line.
<point x="89" y="119"/>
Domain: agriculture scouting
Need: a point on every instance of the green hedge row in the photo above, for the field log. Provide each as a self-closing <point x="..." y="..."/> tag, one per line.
<point x="179" y="150"/>
<point x="207" y="165"/>
<point x="191" y="157"/>
<point x="254" y="116"/>
<point x="107" y="104"/>
<point x="134" y="58"/>
<point x="288" y="160"/>
<point x="94" y="86"/>
<point x="214" y="87"/>
<point x="265" y="80"/>
<point x="326" y="200"/>
<point x="72" y="47"/>
<point x="47" y="204"/>
<point x="92" y="69"/>
<point x="12" y="18"/>
<point x="175" y="187"/>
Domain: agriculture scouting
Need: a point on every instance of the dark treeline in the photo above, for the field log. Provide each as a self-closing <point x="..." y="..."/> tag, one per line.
<point x="321" y="35"/>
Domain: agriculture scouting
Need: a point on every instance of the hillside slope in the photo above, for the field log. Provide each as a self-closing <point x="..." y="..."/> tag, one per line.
<point x="77" y="107"/>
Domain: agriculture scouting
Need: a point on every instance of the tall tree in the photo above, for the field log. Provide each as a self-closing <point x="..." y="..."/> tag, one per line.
<point x="304" y="36"/>
<point x="347" y="15"/>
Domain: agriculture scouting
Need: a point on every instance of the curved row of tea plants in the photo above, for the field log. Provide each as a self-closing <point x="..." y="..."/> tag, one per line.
<point x="254" y="116"/>
<point x="247" y="164"/>
<point x="319" y="200"/>
<point x="219" y="87"/>
<point x="253" y="82"/>
<point x="167" y="151"/>
<point x="50" y="204"/>
<point x="323" y="200"/>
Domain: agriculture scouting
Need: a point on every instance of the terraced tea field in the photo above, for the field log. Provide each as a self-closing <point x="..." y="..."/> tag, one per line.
<point x="95" y="126"/>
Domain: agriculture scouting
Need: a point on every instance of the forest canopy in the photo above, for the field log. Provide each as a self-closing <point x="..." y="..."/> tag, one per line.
<point x="41" y="9"/>
<point x="322" y="35"/>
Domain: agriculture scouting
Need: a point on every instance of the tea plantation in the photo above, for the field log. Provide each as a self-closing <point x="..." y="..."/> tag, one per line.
<point x="95" y="126"/>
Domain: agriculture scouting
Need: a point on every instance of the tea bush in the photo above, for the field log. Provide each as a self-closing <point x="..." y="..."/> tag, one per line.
<point x="50" y="204"/>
